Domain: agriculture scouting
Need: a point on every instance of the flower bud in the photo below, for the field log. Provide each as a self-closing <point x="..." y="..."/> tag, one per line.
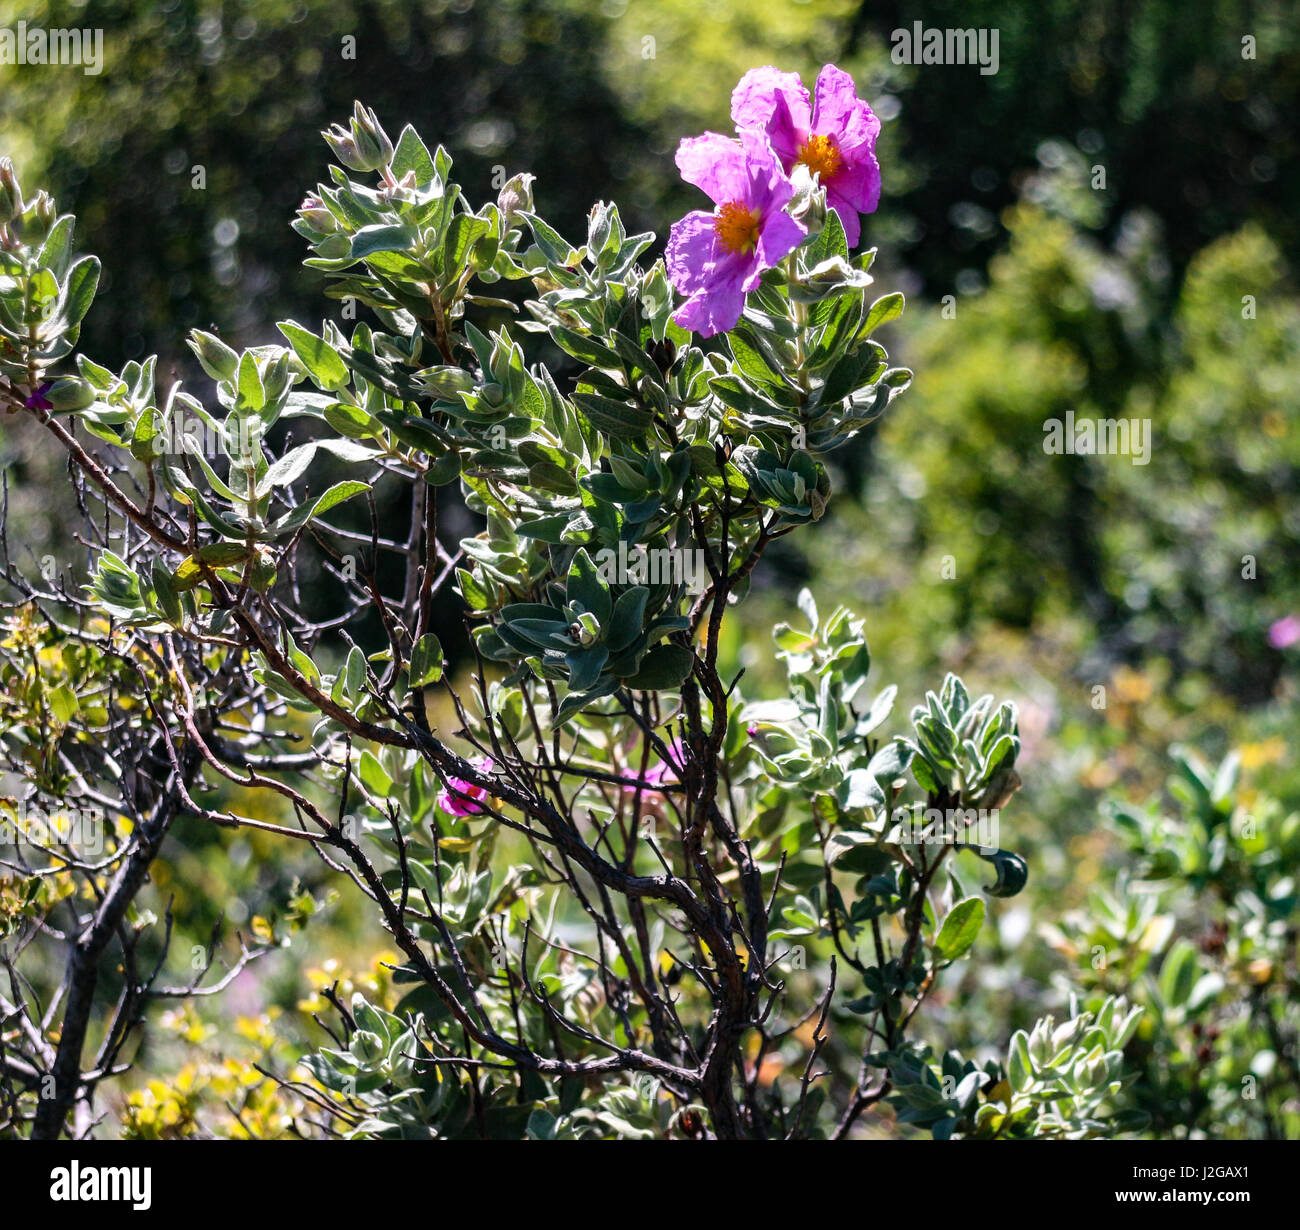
<point x="69" y="393"/>
<point x="585" y="629"/>
<point x="277" y="377"/>
<point x="344" y="147"/>
<point x="516" y="196"/>
<point x="599" y="229"/>
<point x="366" y="147"/>
<point x="372" y="141"/>
<point x="314" y="212"/>
<point x="808" y="204"/>
<point x="218" y="360"/>
<point x="33" y="225"/>
<point x="11" y="196"/>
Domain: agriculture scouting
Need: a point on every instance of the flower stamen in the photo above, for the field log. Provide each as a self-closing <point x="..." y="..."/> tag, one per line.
<point x="821" y="154"/>
<point x="736" y="227"/>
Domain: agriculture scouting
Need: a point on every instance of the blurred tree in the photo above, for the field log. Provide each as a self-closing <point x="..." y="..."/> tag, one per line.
<point x="186" y="158"/>
<point x="1189" y="110"/>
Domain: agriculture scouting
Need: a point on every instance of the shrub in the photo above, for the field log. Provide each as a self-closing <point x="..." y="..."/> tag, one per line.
<point x="627" y="898"/>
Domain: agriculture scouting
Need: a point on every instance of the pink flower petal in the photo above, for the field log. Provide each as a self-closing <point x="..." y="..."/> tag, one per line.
<point x="659" y="770"/>
<point x="691" y="251"/>
<point x="838" y="110"/>
<point x="714" y="163"/>
<point x="456" y="805"/>
<point x="1285" y="632"/>
<point x="778" y="238"/>
<point x="848" y="217"/>
<point x="857" y="185"/>
<point x="715" y="310"/>
<point x="751" y="100"/>
<point x="775" y="104"/>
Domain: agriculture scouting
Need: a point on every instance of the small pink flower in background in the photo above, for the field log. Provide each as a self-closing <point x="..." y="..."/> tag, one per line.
<point x="714" y="258"/>
<point x="656" y="772"/>
<point x="457" y="806"/>
<point x="1285" y="632"/>
<point x="834" y="134"/>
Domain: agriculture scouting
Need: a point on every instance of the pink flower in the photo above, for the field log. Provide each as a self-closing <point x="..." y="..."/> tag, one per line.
<point x="457" y="806"/>
<point x="1285" y="632"/>
<point x="835" y="135"/>
<point x="37" y="400"/>
<point x="655" y="773"/>
<point x="714" y="258"/>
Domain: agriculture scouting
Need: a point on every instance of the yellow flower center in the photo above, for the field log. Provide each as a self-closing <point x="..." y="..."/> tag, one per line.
<point x="736" y="227"/>
<point x="822" y="155"/>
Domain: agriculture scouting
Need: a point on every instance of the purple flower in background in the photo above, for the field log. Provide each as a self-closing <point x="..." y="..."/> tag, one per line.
<point x="1285" y="632"/>
<point x="38" y="400"/>
<point x="655" y="773"/>
<point x="834" y="134"/>
<point x="714" y="258"/>
<point x="457" y="806"/>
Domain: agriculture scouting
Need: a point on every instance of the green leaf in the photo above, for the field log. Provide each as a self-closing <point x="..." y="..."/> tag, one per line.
<point x="750" y="361"/>
<point x="79" y="290"/>
<point x="548" y="476"/>
<point x="354" y="672"/>
<point x="1013" y="872"/>
<point x="473" y="591"/>
<point x="322" y="361"/>
<point x="614" y="418"/>
<point x="189" y="572"/>
<point x="843" y="843"/>
<point x="251" y="396"/>
<point x="665" y="666"/>
<point x="887" y="308"/>
<point x="1019" y="1069"/>
<point x="587" y="349"/>
<point x="350" y="421"/>
<point x="63" y="703"/>
<point x="411" y="154"/>
<point x="556" y="249"/>
<point x="628" y="618"/>
<point x="57" y="247"/>
<point x="463" y="233"/>
<point x="374" y="776"/>
<point x="426" y="662"/>
<point x="323" y="503"/>
<point x="371" y="239"/>
<point x="289" y="468"/>
<point x="168" y="602"/>
<point x="829" y="242"/>
<point x="1178" y="974"/>
<point x="586" y="587"/>
<point x="960" y="929"/>
<point x="851" y="373"/>
<point x="890" y="761"/>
